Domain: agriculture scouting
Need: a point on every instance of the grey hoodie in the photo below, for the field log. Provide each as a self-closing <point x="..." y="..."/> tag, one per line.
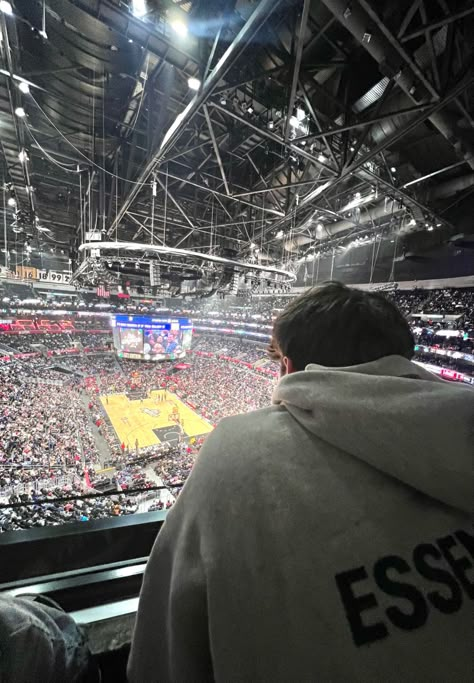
<point x="325" y="538"/>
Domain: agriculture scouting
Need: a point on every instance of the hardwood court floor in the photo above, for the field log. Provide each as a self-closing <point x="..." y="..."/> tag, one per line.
<point x="148" y="419"/>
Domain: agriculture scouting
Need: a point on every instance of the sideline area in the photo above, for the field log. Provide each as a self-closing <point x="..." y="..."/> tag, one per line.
<point x="146" y="420"/>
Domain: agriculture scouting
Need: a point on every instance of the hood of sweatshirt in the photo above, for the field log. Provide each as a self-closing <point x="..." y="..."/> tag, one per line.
<point x="396" y="417"/>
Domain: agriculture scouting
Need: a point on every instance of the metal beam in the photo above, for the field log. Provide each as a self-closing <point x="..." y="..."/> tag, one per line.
<point x="221" y="194"/>
<point x="435" y="173"/>
<point x="216" y="149"/>
<point x="176" y="203"/>
<point x="245" y="35"/>
<point x="407" y="19"/>
<point x="315" y="116"/>
<point x="385" y="48"/>
<point x="277" y="188"/>
<point x="332" y="182"/>
<point x="268" y="189"/>
<point x="297" y="64"/>
<point x="398" y="47"/>
<point x="368" y="122"/>
<point x="271" y="136"/>
<point x="437" y="24"/>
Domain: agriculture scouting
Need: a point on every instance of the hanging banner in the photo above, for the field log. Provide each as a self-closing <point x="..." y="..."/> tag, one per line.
<point x="53" y="276"/>
<point x="26" y="272"/>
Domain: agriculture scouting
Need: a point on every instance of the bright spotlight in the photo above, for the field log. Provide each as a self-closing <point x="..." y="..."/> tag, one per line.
<point x="24" y="87"/>
<point x="20" y="112"/>
<point x="11" y="201"/>
<point x="23" y="156"/>
<point x="179" y="27"/>
<point x="393" y="169"/>
<point x="6" y="7"/>
<point x="300" y="114"/>
<point x="279" y="235"/>
<point x="139" y="8"/>
<point x="194" y="83"/>
<point x="321" y="158"/>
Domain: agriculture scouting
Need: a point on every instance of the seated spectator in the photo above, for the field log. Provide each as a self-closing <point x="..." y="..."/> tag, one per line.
<point x="323" y="537"/>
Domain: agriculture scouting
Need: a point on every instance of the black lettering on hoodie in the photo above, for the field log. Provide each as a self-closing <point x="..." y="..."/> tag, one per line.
<point x="442" y="602"/>
<point x="459" y="565"/>
<point x="355" y="605"/>
<point x="417" y="616"/>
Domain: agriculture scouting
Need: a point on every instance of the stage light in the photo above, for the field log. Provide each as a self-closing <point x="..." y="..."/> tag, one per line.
<point x="223" y="101"/>
<point x="11" y="201"/>
<point x="23" y="156"/>
<point x="271" y="124"/>
<point x="393" y="169"/>
<point x="20" y="112"/>
<point x="194" y="83"/>
<point x="321" y="158"/>
<point x="279" y="235"/>
<point x="179" y="27"/>
<point x="300" y="114"/>
<point x="139" y="8"/>
<point x="24" y="87"/>
<point x="6" y="7"/>
<point x="430" y="228"/>
<point x="250" y="109"/>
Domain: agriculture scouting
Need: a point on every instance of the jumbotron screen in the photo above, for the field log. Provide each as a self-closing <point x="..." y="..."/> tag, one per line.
<point x="143" y="338"/>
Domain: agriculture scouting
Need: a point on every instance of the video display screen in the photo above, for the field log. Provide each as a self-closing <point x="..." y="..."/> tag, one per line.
<point x="152" y="338"/>
<point x="131" y="341"/>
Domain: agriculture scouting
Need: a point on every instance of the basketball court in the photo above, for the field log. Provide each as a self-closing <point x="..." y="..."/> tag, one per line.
<point x="150" y="420"/>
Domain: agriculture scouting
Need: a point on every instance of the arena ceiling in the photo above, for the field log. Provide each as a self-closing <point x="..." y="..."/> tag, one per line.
<point x="315" y="124"/>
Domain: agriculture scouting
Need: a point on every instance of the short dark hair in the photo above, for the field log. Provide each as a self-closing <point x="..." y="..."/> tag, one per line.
<point x="338" y="326"/>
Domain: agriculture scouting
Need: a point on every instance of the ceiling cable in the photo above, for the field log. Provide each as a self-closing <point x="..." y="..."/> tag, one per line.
<point x="89" y="161"/>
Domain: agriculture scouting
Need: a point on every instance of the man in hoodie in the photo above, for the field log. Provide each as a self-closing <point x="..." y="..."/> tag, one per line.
<point x="326" y="537"/>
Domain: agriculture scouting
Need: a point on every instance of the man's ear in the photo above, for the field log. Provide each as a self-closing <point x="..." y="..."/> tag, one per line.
<point x="287" y="366"/>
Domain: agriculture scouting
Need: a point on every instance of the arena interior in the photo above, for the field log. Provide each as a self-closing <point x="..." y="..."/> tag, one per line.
<point x="173" y="175"/>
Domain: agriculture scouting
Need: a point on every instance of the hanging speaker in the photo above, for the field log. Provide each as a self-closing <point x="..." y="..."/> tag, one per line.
<point x="155" y="275"/>
<point x="235" y="284"/>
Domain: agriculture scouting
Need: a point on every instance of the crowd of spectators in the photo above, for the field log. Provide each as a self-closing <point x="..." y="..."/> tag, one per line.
<point x="243" y="349"/>
<point x="48" y="508"/>
<point x="28" y="343"/>
<point x="219" y="388"/>
<point x="41" y="439"/>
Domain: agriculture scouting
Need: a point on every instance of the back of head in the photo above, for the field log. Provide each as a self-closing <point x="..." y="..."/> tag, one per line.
<point x="338" y="326"/>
